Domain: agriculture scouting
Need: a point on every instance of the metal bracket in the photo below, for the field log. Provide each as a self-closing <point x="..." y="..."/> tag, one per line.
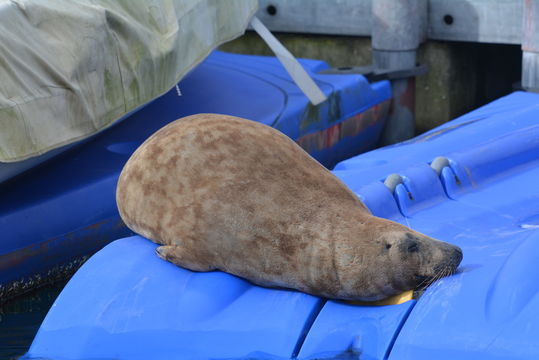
<point x="373" y="75"/>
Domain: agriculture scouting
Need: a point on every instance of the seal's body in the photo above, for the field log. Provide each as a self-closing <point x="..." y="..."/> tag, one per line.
<point x="220" y="192"/>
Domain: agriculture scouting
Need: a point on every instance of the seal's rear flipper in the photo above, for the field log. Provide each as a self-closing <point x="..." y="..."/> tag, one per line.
<point x="177" y="255"/>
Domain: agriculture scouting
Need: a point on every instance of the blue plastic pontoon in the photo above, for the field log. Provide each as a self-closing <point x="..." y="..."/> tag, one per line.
<point x="481" y="193"/>
<point x="54" y="215"/>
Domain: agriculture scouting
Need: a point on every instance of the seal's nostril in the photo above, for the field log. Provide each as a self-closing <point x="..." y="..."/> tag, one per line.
<point x="413" y="247"/>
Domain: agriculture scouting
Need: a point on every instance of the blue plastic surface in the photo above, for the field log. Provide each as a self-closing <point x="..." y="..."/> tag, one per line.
<point x="486" y="201"/>
<point x="350" y="331"/>
<point x="65" y="208"/>
<point x="479" y="126"/>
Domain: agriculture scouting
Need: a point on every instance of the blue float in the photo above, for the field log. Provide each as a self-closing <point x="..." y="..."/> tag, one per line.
<point x="54" y="215"/>
<point x="126" y="303"/>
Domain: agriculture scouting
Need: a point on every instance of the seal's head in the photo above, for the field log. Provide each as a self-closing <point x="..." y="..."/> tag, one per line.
<point x="422" y="258"/>
<point x="411" y="260"/>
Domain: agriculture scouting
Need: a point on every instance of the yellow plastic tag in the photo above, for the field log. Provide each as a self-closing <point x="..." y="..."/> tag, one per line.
<point x="393" y="300"/>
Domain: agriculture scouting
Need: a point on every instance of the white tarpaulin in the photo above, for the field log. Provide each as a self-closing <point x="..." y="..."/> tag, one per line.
<point x="69" y="69"/>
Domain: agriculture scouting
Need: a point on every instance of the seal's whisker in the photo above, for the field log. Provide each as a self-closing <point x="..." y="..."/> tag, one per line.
<point x="445" y="271"/>
<point x="424" y="284"/>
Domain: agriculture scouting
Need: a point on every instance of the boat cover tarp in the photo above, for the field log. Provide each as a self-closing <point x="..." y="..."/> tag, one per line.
<point x="72" y="68"/>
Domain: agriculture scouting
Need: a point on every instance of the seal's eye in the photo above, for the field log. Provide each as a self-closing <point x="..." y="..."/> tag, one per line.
<point x="412" y="246"/>
<point x="388" y="246"/>
<point x="409" y="244"/>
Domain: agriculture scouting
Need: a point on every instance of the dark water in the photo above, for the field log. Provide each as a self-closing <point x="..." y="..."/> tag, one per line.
<point x="21" y="317"/>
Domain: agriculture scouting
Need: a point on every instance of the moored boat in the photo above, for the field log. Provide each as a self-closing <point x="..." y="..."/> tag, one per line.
<point x="57" y="214"/>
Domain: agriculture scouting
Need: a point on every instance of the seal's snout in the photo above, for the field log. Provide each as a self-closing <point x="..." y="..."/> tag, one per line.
<point x="454" y="257"/>
<point x="451" y="258"/>
<point x="436" y="259"/>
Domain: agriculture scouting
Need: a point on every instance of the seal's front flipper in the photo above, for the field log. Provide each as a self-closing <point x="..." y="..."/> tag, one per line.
<point x="177" y="255"/>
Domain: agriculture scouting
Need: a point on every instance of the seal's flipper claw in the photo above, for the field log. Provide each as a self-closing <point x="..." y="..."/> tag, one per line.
<point x="177" y="255"/>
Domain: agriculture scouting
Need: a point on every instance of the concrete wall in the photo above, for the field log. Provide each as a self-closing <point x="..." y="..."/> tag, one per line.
<point x="461" y="77"/>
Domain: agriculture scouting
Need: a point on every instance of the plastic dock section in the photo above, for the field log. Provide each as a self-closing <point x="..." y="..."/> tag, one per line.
<point x="482" y="194"/>
<point x="54" y="215"/>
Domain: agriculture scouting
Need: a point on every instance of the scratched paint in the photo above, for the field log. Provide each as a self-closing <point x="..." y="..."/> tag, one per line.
<point x="56" y="258"/>
<point x="352" y="126"/>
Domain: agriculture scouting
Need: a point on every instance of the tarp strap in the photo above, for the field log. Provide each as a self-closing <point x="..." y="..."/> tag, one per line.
<point x="292" y="66"/>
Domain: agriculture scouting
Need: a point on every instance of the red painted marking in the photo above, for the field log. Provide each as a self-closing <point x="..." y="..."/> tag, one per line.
<point x="350" y="127"/>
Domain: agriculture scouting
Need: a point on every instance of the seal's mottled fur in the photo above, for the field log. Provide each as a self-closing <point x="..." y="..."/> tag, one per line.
<point x="220" y="192"/>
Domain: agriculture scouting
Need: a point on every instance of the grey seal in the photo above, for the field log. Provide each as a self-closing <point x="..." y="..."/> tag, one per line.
<point x="223" y="193"/>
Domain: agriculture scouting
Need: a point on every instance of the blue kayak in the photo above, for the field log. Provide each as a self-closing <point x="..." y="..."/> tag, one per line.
<point x="471" y="182"/>
<point x="55" y="215"/>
